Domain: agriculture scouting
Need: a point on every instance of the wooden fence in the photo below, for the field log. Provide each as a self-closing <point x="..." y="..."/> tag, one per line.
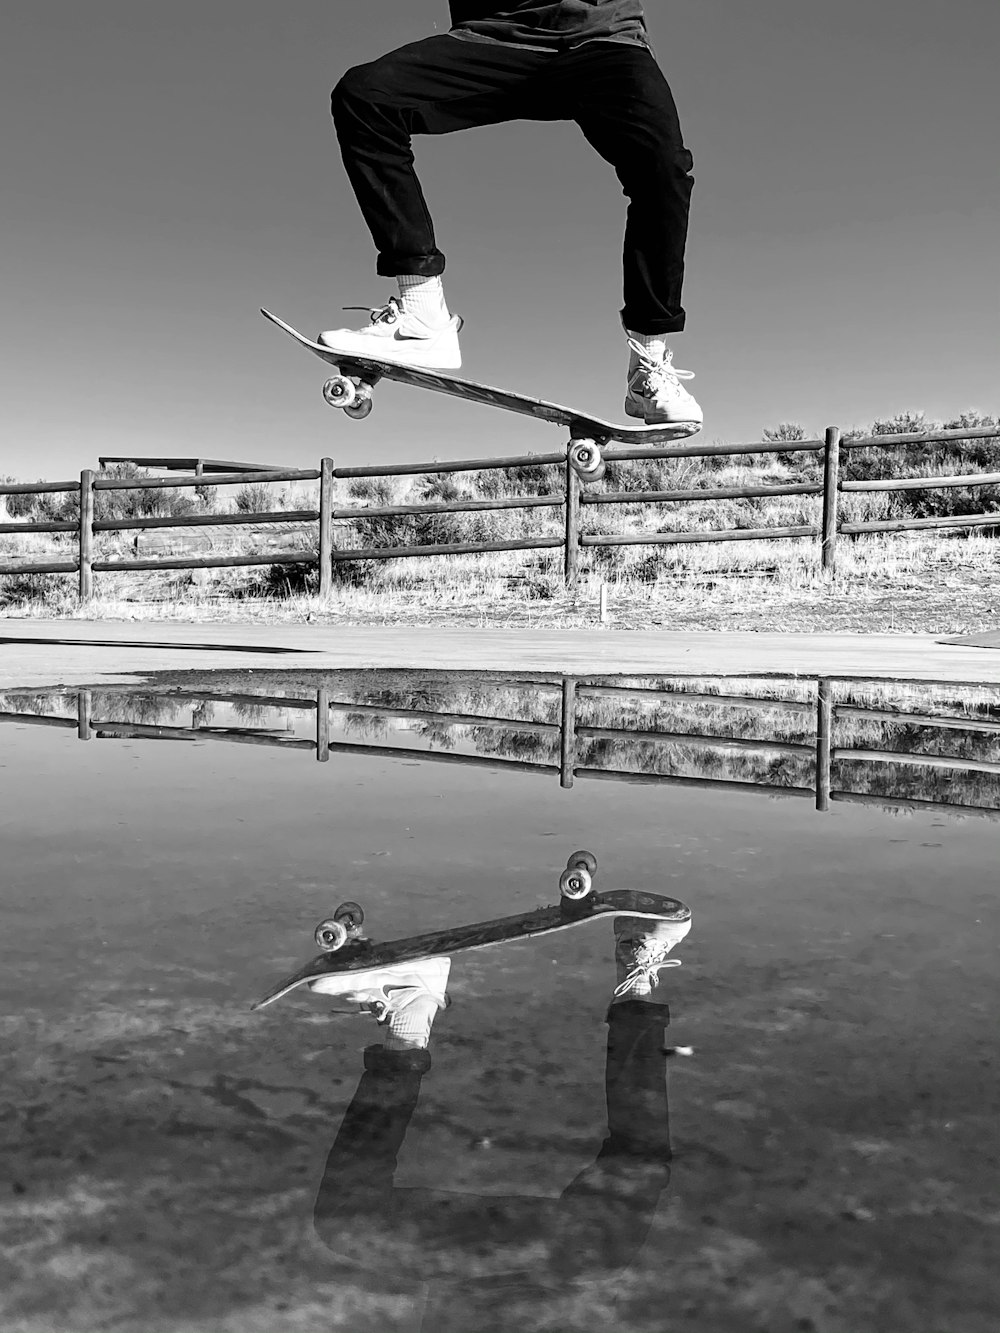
<point x="820" y="714"/>
<point x="576" y="498"/>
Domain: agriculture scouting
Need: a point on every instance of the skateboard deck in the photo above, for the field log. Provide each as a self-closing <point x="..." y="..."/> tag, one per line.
<point x="361" y="954"/>
<point x="351" y="390"/>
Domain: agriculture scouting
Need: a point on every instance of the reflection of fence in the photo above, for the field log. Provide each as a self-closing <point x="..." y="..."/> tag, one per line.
<point x="574" y="501"/>
<point x="820" y="717"/>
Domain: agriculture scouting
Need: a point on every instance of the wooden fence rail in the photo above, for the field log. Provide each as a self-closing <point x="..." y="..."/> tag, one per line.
<point x="576" y="500"/>
<point x="568" y="732"/>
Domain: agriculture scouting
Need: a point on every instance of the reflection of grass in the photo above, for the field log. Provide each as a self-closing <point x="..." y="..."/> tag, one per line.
<point x="252" y="715"/>
<point x="672" y="714"/>
<point x="724" y="720"/>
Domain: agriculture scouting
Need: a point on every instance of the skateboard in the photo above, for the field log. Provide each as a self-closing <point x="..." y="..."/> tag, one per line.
<point x="345" y="950"/>
<point x="352" y="387"/>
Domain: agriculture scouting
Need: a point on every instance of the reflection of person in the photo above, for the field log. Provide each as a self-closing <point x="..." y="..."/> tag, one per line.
<point x="483" y="1253"/>
<point x="583" y="60"/>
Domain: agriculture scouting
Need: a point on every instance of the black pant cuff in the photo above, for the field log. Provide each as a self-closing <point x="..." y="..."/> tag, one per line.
<point x="652" y="328"/>
<point x="380" y="1061"/>
<point x="417" y="266"/>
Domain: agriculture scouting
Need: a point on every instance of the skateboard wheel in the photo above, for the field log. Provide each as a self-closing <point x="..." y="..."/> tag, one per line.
<point x="599" y="474"/>
<point x="585" y="457"/>
<point x="339" y="391"/>
<point x="575" y="882"/>
<point x="350" y="915"/>
<point x="585" y="859"/>
<point x="331" y="936"/>
<point x="360" y="409"/>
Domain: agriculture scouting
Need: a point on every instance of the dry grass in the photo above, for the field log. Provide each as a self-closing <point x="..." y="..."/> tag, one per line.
<point x="906" y="584"/>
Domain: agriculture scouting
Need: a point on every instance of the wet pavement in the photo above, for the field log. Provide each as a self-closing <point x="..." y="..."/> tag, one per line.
<point x="794" y="1130"/>
<point x="80" y="652"/>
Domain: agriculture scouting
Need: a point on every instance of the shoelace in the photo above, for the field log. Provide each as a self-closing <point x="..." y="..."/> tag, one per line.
<point x="386" y="314"/>
<point x="645" y="961"/>
<point x="659" y="374"/>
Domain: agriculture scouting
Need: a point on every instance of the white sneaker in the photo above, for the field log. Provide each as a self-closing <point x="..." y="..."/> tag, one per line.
<point x="394" y="335"/>
<point x="655" y="393"/>
<point x="387" y="991"/>
<point x="641" y="948"/>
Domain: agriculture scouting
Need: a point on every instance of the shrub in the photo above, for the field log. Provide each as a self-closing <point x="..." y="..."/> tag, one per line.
<point x="253" y="498"/>
<point x="20" y="506"/>
<point x="929" y="459"/>
<point x="143" y="502"/>
<point x="386" y="529"/>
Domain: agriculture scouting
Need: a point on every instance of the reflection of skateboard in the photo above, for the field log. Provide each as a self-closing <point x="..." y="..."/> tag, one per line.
<point x="344" y="950"/>
<point x="351" y="389"/>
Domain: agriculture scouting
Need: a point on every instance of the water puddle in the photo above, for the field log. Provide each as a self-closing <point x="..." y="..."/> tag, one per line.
<point x="561" y="1128"/>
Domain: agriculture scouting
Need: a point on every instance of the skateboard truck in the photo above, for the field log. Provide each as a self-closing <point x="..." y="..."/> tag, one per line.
<point x="351" y="393"/>
<point x="586" y="460"/>
<point x="345" y="924"/>
<point x="577" y="881"/>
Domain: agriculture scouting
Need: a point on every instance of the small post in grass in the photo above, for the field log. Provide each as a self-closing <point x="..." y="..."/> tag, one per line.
<point x="572" y="566"/>
<point x="326" y="479"/>
<point x="83" y="727"/>
<point x="86" y="534"/>
<point x="831" y="497"/>
<point x="567" y="737"/>
<point x="322" y="724"/>
<point x="824" y="727"/>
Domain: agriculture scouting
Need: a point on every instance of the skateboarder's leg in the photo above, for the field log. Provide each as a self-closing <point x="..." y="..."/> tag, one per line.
<point x="357" y="1185"/>
<point x="435" y="86"/>
<point x="626" y="110"/>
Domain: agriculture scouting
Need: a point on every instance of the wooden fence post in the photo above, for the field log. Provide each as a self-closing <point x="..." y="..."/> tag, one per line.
<point x="567" y="732"/>
<point x="572" y="564"/>
<point x="831" y="497"/>
<point x="86" y="534"/>
<point x="322" y="724"/>
<point x="83" y="728"/>
<point x="824" y="727"/>
<point x="325" y="528"/>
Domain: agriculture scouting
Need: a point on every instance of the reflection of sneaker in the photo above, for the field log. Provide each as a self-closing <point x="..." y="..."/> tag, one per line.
<point x="641" y="949"/>
<point x="384" y="991"/>
<point x="394" y="335"/>
<point x="655" y="393"/>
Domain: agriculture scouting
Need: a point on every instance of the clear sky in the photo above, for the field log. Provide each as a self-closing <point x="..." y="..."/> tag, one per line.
<point x="165" y="169"/>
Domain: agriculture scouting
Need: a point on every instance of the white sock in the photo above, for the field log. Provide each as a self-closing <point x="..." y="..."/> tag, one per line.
<point x="410" y="1028"/>
<point x="423" y="297"/>
<point x="653" y="344"/>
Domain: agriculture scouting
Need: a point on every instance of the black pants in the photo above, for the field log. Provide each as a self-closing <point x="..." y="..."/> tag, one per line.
<point x="616" y="94"/>
<point x="539" y="1246"/>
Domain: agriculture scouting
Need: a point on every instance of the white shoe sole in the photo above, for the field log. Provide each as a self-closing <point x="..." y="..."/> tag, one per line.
<point x="394" y="355"/>
<point x="432" y="972"/>
<point x="441" y="353"/>
<point x="662" y="418"/>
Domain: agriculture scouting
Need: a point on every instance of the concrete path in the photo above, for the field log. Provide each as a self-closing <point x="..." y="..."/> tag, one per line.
<point x="37" y="653"/>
